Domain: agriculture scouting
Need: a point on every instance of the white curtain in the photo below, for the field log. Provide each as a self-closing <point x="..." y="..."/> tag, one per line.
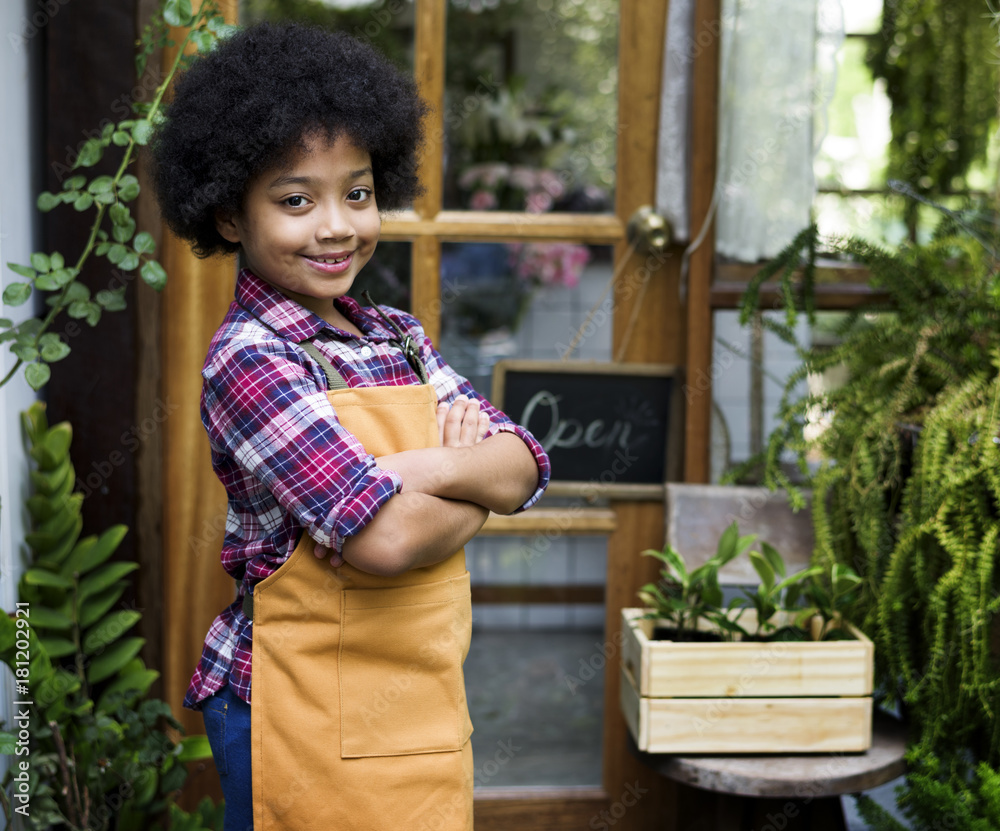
<point x="674" y="151"/>
<point x="778" y="70"/>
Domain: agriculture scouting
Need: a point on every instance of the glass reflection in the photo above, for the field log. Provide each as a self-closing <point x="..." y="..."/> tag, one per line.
<point x="530" y="93"/>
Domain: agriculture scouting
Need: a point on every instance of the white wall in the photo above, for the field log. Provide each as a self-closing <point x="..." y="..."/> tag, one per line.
<point x="20" y="83"/>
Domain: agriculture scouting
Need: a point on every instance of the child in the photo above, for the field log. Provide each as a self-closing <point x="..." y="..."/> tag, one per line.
<point x="356" y="461"/>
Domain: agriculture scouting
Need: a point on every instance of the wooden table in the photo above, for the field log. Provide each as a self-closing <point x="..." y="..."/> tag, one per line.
<point x="778" y="793"/>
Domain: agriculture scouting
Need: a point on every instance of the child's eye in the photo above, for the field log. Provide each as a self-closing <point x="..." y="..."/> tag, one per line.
<point x="359" y="195"/>
<point x="295" y="201"/>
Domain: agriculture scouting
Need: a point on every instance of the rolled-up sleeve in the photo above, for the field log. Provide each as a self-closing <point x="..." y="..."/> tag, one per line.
<point x="267" y="413"/>
<point x="448" y="384"/>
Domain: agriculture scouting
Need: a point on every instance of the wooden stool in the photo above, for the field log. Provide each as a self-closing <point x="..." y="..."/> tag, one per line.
<point x="778" y="793"/>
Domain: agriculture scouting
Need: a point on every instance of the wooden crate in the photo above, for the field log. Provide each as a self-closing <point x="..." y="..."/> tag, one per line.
<point x="798" y="697"/>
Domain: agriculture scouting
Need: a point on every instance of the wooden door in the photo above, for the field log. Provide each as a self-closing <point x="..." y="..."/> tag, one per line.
<point x="650" y="326"/>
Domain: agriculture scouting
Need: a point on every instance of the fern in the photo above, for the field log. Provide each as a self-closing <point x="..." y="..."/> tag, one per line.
<point x="908" y="492"/>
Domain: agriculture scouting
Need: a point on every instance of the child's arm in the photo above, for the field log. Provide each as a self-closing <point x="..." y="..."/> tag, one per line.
<point x="412" y="530"/>
<point x="499" y="473"/>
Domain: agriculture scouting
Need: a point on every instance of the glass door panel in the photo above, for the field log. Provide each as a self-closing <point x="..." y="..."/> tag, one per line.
<point x="530" y="105"/>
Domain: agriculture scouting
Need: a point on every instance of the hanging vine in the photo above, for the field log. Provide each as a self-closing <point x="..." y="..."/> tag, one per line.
<point x="938" y="59"/>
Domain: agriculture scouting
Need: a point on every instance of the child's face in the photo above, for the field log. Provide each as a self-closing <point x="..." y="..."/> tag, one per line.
<point x="308" y="229"/>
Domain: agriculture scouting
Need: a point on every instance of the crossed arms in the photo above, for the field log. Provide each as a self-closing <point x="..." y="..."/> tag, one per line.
<point x="448" y="492"/>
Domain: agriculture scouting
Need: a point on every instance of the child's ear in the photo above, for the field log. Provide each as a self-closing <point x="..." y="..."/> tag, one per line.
<point x="225" y="224"/>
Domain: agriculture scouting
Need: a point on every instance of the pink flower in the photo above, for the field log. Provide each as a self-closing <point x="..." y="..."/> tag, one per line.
<point x="538" y="202"/>
<point x="483" y="200"/>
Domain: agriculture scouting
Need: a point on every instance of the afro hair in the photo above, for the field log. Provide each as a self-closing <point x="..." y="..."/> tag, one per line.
<point x="247" y="106"/>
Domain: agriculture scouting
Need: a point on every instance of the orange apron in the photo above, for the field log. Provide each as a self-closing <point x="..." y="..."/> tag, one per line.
<point x="359" y="720"/>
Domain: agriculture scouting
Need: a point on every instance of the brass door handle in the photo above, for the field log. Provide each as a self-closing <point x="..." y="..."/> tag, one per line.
<point x="648" y="232"/>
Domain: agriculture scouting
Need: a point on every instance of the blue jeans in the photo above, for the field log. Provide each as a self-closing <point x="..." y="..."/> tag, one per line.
<point x="227" y="724"/>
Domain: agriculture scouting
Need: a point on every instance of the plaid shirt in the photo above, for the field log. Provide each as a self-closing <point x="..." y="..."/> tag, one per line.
<point x="285" y="461"/>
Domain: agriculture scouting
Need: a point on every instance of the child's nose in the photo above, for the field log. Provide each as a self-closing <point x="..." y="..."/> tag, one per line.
<point x="334" y="224"/>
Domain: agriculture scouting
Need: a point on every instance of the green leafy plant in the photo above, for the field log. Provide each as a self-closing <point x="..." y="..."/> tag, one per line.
<point x="683" y="598"/>
<point x="113" y="229"/>
<point x="811" y="603"/>
<point x="935" y="800"/>
<point x="905" y="474"/>
<point x="89" y="747"/>
<point x="776" y="592"/>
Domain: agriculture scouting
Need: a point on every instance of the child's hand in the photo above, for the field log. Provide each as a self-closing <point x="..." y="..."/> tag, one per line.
<point x="461" y="424"/>
<point x="321" y="551"/>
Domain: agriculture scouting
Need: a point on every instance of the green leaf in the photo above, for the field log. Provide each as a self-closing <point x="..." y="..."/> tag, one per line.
<point x="58" y="647"/>
<point x="90" y="154"/>
<point x="25" y="351"/>
<point x="51" y="449"/>
<point x="123" y="232"/>
<point x="17" y="294"/>
<point x="47" y="201"/>
<point x="144" y="243"/>
<point x="41" y="262"/>
<point x="22" y="270"/>
<point x="37" y="375"/>
<point x="94" y="608"/>
<point x="120" y="138"/>
<point x="57" y="260"/>
<point x="110" y="629"/>
<point x="93" y="314"/>
<point x="136" y="682"/>
<point x="41" y="577"/>
<point x="763" y="568"/>
<point x="43" y="617"/>
<point x="46" y="282"/>
<point x="119" y="213"/>
<point x="63" y="275"/>
<point x="142" y="132"/>
<point x="153" y="274"/>
<point x="128" y="187"/>
<point x="75" y="182"/>
<point x="83" y="201"/>
<point x="8" y="744"/>
<point x="52" y="352"/>
<point x="178" y="13"/>
<point x="117" y="253"/>
<point x="78" y="309"/>
<point x="113" y="659"/>
<point x="92" y="551"/>
<point x="77" y="291"/>
<point x="112" y="301"/>
<point x="105" y="198"/>
<point x="130" y="262"/>
<point x="103" y="577"/>
<point x="102" y="184"/>
<point x="773" y="558"/>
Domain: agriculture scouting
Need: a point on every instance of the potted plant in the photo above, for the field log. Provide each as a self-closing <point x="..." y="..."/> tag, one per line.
<point x="775" y="680"/>
<point x="905" y="489"/>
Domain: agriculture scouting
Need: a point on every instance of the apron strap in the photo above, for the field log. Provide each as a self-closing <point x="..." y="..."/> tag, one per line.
<point x="333" y="378"/>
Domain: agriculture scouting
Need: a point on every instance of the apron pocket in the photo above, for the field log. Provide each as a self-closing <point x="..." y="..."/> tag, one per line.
<point x="401" y="654"/>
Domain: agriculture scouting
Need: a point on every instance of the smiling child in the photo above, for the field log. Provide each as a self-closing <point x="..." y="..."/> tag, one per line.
<point x="356" y="462"/>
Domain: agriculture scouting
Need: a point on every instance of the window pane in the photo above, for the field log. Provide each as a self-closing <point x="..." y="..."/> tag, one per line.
<point x="525" y="301"/>
<point x="530" y="84"/>
<point x="535" y="673"/>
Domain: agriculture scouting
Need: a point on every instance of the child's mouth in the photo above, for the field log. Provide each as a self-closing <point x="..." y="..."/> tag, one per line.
<point x="331" y="264"/>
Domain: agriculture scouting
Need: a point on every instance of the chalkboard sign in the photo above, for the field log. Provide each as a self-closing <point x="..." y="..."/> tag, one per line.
<point x="606" y="425"/>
